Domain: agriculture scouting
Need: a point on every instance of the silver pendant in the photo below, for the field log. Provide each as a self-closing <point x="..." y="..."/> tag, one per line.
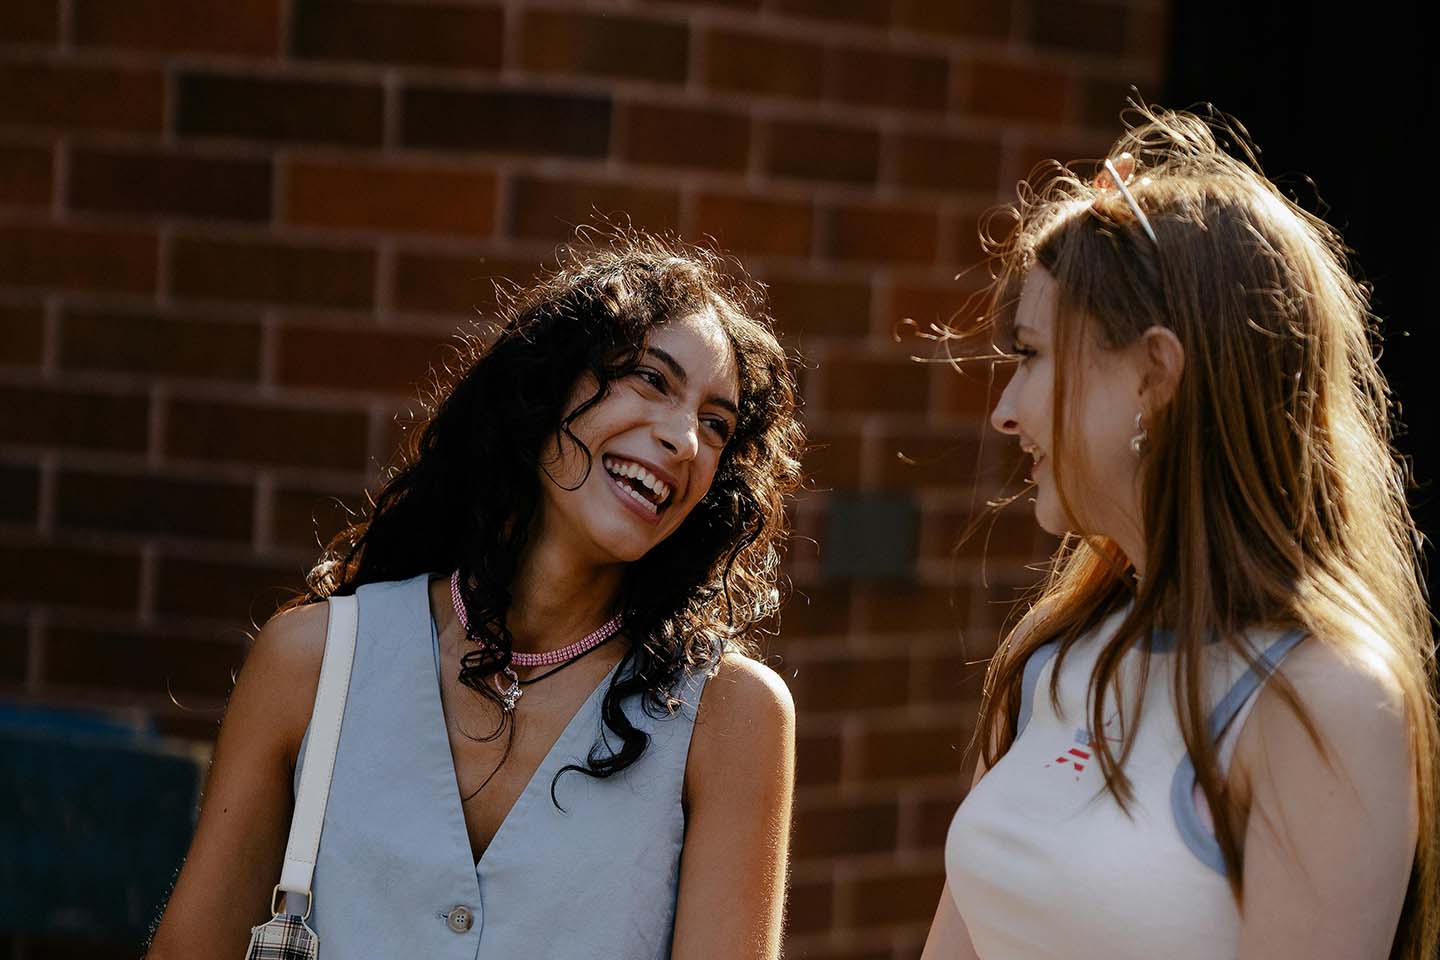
<point x="509" y="696"/>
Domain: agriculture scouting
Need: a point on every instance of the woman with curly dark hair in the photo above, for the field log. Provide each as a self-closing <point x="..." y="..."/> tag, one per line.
<point x="556" y="743"/>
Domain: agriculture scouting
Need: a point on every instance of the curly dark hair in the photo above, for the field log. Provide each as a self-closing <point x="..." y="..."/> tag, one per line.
<point x="467" y="487"/>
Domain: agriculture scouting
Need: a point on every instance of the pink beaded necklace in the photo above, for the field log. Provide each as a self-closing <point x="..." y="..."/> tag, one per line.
<point x="511" y="695"/>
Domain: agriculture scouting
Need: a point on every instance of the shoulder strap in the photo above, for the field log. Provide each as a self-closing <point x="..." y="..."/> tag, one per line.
<point x="314" y="791"/>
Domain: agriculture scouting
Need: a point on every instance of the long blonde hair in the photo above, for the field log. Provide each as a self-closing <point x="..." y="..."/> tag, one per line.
<point x="1271" y="493"/>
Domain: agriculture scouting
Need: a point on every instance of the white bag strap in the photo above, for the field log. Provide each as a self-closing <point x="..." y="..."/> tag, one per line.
<point x="324" y="738"/>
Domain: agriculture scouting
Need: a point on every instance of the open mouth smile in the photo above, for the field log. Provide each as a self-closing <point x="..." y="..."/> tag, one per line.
<point x="637" y="487"/>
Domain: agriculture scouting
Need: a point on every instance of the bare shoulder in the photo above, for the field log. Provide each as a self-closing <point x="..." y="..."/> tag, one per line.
<point x="282" y="671"/>
<point x="744" y="694"/>
<point x="1349" y="684"/>
<point x="744" y="727"/>
<point x="1353" y="715"/>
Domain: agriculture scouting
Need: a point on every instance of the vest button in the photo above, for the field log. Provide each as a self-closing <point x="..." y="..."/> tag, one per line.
<point x="460" y="919"/>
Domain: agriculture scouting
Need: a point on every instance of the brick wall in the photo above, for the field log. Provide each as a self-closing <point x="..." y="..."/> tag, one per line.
<point x="234" y="233"/>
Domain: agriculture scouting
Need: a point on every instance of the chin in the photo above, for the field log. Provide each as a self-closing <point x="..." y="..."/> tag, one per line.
<point x="1051" y="518"/>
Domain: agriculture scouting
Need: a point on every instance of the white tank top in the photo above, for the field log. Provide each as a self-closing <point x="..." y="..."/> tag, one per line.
<point x="1042" y="862"/>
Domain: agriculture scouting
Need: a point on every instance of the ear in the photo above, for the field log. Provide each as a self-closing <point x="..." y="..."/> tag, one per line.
<point x="1163" y="359"/>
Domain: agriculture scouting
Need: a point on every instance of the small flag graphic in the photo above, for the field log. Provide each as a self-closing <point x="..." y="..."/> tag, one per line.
<point x="1079" y="752"/>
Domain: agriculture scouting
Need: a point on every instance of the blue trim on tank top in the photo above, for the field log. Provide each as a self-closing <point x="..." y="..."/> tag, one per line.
<point x="1162" y="640"/>
<point x="1028" y="680"/>
<point x="1201" y="841"/>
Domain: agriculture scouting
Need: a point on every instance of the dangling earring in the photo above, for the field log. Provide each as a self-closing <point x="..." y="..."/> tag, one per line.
<point x="1137" y="442"/>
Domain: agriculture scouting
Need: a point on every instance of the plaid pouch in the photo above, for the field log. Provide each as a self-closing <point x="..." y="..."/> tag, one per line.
<point x="287" y="937"/>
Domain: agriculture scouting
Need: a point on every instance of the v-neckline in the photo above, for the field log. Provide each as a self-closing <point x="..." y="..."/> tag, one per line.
<point x="545" y="761"/>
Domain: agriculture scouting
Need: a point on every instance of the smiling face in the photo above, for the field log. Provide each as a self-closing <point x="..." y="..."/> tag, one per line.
<point x="655" y="441"/>
<point x="1101" y="396"/>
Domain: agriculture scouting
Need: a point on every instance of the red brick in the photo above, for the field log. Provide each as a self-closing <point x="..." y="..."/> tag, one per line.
<point x="906" y="81"/>
<point x="933" y="819"/>
<point x="1016" y="92"/>
<point x="164" y="183"/>
<point x="154" y="663"/>
<point x="305" y="519"/>
<point x="952" y="164"/>
<point x="946" y="457"/>
<point x="759" y="64"/>
<point x="506" y="121"/>
<point x="269" y="434"/>
<point x="897" y="899"/>
<point x="62" y="418"/>
<point x="870" y="12"/>
<point x="971" y="390"/>
<point x="846" y="684"/>
<point x="752" y="225"/>
<point x="684" y="137"/>
<point x="818" y="759"/>
<point x="832" y="460"/>
<point x="967" y="242"/>
<point x="278" y="109"/>
<point x="822" y="151"/>
<point x="914" y="749"/>
<point x="604" y="45"/>
<point x="1009" y="535"/>
<point x="14" y="654"/>
<point x="551" y="209"/>
<point x="952" y="678"/>
<point x="927" y="304"/>
<point x="974" y="18"/>
<point x="375" y="361"/>
<point x="166" y="506"/>
<point x="913" y="609"/>
<point x="873" y="385"/>
<point x="829" y="830"/>
<point x="442" y="283"/>
<point x="1149" y="32"/>
<point x="406" y="199"/>
<point x="254" y="270"/>
<point x="809" y="908"/>
<point x="159" y="345"/>
<point x="82" y="98"/>
<point x="429" y="35"/>
<point x="247" y="27"/>
<point x="1101" y="100"/>
<point x="244" y="594"/>
<point x="19" y="493"/>
<point x="1080" y="26"/>
<point x="25" y="175"/>
<point x="806" y="307"/>
<point x="882" y="234"/>
<point x="45" y="573"/>
<point x="822" y="611"/>
<point x="22" y="335"/>
<point x="78" y="258"/>
<point x="30" y="21"/>
<point x="1036" y="160"/>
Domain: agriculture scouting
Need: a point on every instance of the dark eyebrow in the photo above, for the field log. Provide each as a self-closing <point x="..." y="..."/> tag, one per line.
<point x="684" y="378"/>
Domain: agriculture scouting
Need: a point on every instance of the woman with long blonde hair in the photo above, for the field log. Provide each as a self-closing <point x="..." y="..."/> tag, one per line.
<point x="1214" y="732"/>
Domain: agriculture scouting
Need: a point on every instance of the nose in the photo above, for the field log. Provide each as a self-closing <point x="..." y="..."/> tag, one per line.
<point x="679" y="434"/>
<point x="1002" y="418"/>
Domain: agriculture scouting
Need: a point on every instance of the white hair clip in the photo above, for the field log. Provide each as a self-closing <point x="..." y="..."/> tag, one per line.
<point x="1119" y="182"/>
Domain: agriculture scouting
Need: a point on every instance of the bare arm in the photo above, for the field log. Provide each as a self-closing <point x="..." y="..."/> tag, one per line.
<point x="1328" y="842"/>
<point x="739" y="781"/>
<point x="234" y="861"/>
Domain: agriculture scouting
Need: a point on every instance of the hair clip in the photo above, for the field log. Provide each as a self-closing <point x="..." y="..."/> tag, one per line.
<point x="1112" y="172"/>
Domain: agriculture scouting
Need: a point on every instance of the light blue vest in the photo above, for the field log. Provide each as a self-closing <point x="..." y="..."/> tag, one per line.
<point x="597" y="879"/>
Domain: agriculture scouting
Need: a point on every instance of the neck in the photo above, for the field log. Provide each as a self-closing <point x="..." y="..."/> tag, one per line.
<point x="557" y="598"/>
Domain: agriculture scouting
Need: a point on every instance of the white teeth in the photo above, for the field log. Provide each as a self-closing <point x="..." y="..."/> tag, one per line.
<point x="641" y="499"/>
<point x="634" y="471"/>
